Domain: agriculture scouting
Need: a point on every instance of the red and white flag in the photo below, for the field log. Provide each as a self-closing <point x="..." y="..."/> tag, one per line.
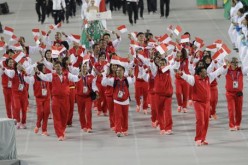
<point x="141" y="56"/>
<point x="2" y="45"/>
<point x="75" y="38"/>
<point x="165" y="68"/>
<point x="119" y="61"/>
<point x="5" y="56"/>
<point x="24" y="62"/>
<point x="218" y="43"/>
<point x="134" y="44"/>
<point x="211" y="48"/>
<point x="132" y="51"/>
<point x="226" y="49"/>
<point x="199" y="43"/>
<point x="53" y="27"/>
<point x="8" y="31"/>
<point x="17" y="46"/>
<point x="161" y="48"/>
<point x="122" y="29"/>
<point x="170" y="28"/>
<point x="171" y="45"/>
<point x="42" y="47"/>
<point x="219" y="55"/>
<point x="36" y="32"/>
<point x="178" y="30"/>
<point x="185" y="38"/>
<point x="18" y="56"/>
<point x="56" y="50"/>
<point x="164" y="39"/>
<point x="44" y="34"/>
<point x="86" y="58"/>
<point x="14" y="38"/>
<point x="37" y="40"/>
<point x="134" y="35"/>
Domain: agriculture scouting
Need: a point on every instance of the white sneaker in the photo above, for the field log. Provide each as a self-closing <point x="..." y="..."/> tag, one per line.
<point x="169" y="132"/>
<point x="18" y="125"/>
<point x="23" y="126"/>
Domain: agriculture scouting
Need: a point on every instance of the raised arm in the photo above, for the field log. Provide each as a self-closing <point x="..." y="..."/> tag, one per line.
<point x="45" y="77"/>
<point x="29" y="79"/>
<point x="189" y="78"/>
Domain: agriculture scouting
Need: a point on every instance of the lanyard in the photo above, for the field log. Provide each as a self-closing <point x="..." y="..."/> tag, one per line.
<point x="182" y="64"/>
<point x="84" y="79"/>
<point x="20" y="78"/>
<point x="120" y="86"/>
<point x="43" y="85"/>
<point x="236" y="77"/>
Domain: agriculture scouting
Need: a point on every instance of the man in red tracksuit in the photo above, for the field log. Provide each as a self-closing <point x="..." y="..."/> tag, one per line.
<point x="201" y="97"/>
<point x="7" y="85"/>
<point x="234" y="93"/>
<point x="60" y="96"/>
<point x="84" y="87"/>
<point x="141" y="87"/>
<point x="163" y="90"/>
<point x="121" y="99"/>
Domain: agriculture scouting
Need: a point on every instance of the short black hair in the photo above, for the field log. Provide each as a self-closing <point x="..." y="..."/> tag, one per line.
<point x="40" y="66"/>
<point x="106" y="34"/>
<point x="199" y="70"/>
<point x="140" y="33"/>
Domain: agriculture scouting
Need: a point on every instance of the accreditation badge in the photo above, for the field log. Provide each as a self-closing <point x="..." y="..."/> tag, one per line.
<point x="120" y="94"/>
<point x="85" y="89"/>
<point x="21" y="87"/>
<point x="9" y="84"/>
<point x="44" y="92"/>
<point x="235" y="84"/>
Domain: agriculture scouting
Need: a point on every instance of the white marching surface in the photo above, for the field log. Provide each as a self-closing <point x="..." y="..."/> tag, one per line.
<point x="144" y="145"/>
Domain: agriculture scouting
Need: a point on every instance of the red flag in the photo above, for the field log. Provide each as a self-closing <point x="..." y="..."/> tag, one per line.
<point x="178" y="30"/>
<point x="122" y="28"/>
<point x="8" y="31"/>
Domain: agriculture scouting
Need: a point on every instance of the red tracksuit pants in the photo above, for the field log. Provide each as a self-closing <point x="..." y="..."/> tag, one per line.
<point x="190" y="92"/>
<point x="84" y="111"/>
<point x="121" y="117"/>
<point x="101" y="102"/>
<point x="213" y="99"/>
<point x="141" y="89"/>
<point x="182" y="92"/>
<point x="154" y="110"/>
<point x="110" y="104"/>
<point x="60" y="108"/>
<point x="234" y="105"/>
<point x="202" y="111"/>
<point x="164" y="112"/>
<point x="20" y="106"/>
<point x="71" y="105"/>
<point x="43" y="111"/>
<point x="8" y="102"/>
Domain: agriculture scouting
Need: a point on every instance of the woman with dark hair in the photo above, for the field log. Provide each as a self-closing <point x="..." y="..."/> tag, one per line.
<point x="120" y="83"/>
<point x="84" y="87"/>
<point x="42" y="97"/>
<point x="109" y="95"/>
<point x="97" y="71"/>
<point x="152" y="95"/>
<point x="7" y="73"/>
<point x="182" y="87"/>
<point x="20" y="96"/>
